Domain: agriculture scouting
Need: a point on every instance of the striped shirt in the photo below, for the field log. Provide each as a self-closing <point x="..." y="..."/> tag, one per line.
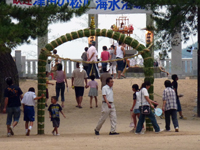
<point x="169" y="96"/>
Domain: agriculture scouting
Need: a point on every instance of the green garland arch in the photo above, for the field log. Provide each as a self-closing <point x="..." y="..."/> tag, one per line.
<point x="148" y="63"/>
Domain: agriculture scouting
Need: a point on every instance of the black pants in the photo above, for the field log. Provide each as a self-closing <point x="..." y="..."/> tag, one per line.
<point x="171" y="113"/>
<point x="85" y="68"/>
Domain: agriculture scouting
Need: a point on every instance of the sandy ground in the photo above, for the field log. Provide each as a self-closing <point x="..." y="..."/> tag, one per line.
<point x="77" y="130"/>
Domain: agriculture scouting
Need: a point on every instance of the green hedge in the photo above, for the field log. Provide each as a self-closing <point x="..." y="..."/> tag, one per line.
<point x="80" y="33"/>
<point x="74" y="35"/>
<point x="109" y="33"/>
<point x="86" y="32"/>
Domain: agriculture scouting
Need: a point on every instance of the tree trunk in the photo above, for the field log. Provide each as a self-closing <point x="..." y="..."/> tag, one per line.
<point x="7" y="69"/>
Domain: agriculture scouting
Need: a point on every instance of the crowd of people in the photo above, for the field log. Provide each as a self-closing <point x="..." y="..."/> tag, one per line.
<point x="117" y="69"/>
<point x="14" y="96"/>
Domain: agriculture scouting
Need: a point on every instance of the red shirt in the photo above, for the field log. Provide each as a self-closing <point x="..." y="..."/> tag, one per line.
<point x="105" y="55"/>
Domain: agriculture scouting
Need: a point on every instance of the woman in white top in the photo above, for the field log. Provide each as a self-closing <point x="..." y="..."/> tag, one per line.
<point x="143" y="98"/>
<point x="120" y="52"/>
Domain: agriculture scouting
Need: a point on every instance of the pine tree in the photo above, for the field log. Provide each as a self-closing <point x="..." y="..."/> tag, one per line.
<point x="29" y="23"/>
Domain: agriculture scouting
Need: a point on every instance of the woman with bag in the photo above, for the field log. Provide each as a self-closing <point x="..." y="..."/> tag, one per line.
<point x="145" y="110"/>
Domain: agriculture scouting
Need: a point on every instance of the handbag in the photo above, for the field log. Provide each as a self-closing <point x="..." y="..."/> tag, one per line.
<point x="145" y="109"/>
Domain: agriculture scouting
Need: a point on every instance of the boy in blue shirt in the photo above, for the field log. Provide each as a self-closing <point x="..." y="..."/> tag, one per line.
<point x="54" y="110"/>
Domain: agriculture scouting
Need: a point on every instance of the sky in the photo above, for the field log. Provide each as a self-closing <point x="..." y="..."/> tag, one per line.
<point x="75" y="48"/>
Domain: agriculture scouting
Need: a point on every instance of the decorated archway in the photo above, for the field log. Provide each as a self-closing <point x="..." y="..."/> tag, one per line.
<point x="46" y="51"/>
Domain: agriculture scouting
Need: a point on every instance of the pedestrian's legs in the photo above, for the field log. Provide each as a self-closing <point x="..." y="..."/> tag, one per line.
<point x="80" y="100"/>
<point x="91" y="101"/>
<point x="113" y="118"/>
<point x="104" y="114"/>
<point x="174" y="118"/>
<point x="62" y="94"/>
<point x="140" y="123"/>
<point x="57" y="90"/>
<point x="89" y="70"/>
<point x="96" y="101"/>
<point x="167" y="120"/>
<point x="114" y="71"/>
<point x="152" y="117"/>
<point x="26" y="125"/>
<point x="134" y="120"/>
<point x="95" y="67"/>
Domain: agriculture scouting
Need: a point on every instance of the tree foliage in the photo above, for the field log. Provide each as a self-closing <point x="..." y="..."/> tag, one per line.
<point x="18" y="25"/>
<point x="171" y="16"/>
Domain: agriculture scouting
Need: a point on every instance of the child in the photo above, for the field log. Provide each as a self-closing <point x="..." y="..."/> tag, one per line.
<point x="28" y="102"/>
<point x="47" y="92"/>
<point x="135" y="106"/>
<point x="93" y="90"/>
<point x="175" y="87"/>
<point x="54" y="109"/>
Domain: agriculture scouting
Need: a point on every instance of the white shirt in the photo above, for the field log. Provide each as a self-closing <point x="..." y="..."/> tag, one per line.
<point x="119" y="52"/>
<point x="143" y="92"/>
<point x="108" y="92"/>
<point x="28" y="99"/>
<point x="90" y="51"/>
<point x="138" y="103"/>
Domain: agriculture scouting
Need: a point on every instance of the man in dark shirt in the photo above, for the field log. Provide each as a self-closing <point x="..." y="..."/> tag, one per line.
<point x="12" y="105"/>
<point x="175" y="87"/>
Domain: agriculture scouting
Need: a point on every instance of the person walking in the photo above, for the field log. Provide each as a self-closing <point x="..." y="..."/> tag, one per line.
<point x="105" y="55"/>
<point x="28" y="103"/>
<point x="143" y="97"/>
<point x="78" y="78"/>
<point x="113" y="64"/>
<point x="120" y="53"/>
<point x="170" y="106"/>
<point x="175" y="87"/>
<point x="84" y="58"/>
<point x="108" y="108"/>
<point x="61" y="79"/>
<point x="104" y="77"/>
<point x="92" y="57"/>
<point x="12" y="104"/>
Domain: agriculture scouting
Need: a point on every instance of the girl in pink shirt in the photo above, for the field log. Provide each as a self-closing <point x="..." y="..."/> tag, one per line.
<point x="93" y="90"/>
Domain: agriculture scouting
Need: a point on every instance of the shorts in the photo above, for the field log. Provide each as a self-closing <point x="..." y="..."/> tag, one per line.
<point x="136" y="111"/>
<point x="79" y="91"/>
<point x="29" y="113"/>
<point x="56" y="122"/>
<point x="47" y="93"/>
<point x="13" y="112"/>
<point x="178" y="104"/>
<point x="120" y="65"/>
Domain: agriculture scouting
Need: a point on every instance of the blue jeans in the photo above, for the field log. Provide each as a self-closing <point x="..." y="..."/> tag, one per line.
<point x="173" y="114"/>
<point x="12" y="112"/>
<point x="104" y="65"/>
<point x="60" y="87"/>
<point x="152" y="117"/>
<point x="93" y="68"/>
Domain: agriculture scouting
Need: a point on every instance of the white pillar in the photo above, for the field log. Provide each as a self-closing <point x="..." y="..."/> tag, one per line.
<point x="23" y="65"/>
<point x="18" y="61"/>
<point x="176" y="61"/>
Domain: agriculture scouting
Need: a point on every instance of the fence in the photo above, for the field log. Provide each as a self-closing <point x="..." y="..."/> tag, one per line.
<point x="187" y="66"/>
<point x="27" y="68"/>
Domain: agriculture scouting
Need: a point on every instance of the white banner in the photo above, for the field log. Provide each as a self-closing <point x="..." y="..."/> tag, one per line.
<point x="102" y="6"/>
